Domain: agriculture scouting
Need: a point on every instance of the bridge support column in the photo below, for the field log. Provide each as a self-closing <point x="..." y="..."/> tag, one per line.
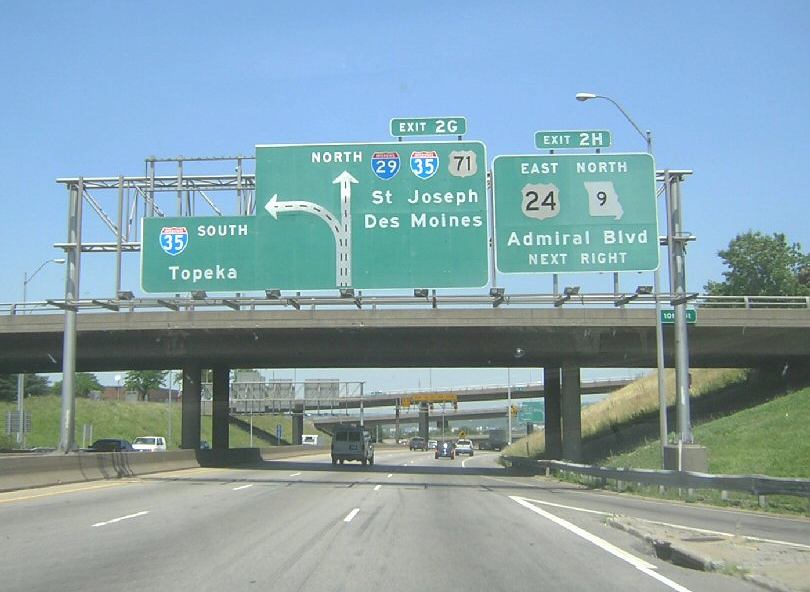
<point x="424" y="430"/>
<point x="553" y="413"/>
<point x="571" y="414"/>
<point x="220" y="410"/>
<point x="297" y="425"/>
<point x="192" y="390"/>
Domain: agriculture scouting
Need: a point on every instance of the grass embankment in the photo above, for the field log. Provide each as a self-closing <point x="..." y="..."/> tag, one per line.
<point x="127" y="419"/>
<point x="766" y="435"/>
<point x="632" y="402"/>
<point x="268" y="423"/>
<point x="770" y="439"/>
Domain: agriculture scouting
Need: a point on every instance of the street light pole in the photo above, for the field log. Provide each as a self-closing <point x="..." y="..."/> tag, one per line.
<point x="659" y="330"/>
<point x="21" y="376"/>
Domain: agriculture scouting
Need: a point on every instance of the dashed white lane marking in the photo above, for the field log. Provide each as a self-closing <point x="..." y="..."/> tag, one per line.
<point x="243" y="487"/>
<point x="390" y="475"/>
<point x="377" y="487"/>
<point x="405" y="465"/>
<point x="295" y="474"/>
<point x="350" y="516"/>
<point x="641" y="565"/>
<point x="127" y="517"/>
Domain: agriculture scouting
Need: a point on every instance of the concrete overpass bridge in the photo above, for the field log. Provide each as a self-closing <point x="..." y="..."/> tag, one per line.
<point x="561" y="340"/>
<point x="480" y="338"/>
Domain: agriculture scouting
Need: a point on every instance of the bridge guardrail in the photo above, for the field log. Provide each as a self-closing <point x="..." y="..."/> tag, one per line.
<point x="252" y="303"/>
<point x="758" y="485"/>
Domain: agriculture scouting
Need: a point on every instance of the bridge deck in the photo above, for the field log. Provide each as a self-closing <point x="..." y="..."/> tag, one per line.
<point x="587" y="337"/>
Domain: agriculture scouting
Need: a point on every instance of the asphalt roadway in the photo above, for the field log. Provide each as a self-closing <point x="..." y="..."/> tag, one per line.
<point x="410" y="523"/>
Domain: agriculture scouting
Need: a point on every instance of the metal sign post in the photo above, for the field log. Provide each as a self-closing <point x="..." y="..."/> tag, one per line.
<point x="677" y="267"/>
<point x="73" y="251"/>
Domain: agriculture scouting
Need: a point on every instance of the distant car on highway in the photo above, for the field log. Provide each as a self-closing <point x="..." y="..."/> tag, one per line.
<point x="309" y="439"/>
<point x="149" y="443"/>
<point x="417" y="444"/>
<point x="432" y="444"/>
<point x="446" y="450"/>
<point x="464" y="447"/>
<point x="110" y="445"/>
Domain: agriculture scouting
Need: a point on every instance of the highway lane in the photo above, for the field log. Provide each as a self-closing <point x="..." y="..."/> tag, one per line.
<point x="409" y="522"/>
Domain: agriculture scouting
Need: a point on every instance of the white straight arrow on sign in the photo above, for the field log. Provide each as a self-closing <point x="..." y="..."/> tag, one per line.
<point x="344" y="248"/>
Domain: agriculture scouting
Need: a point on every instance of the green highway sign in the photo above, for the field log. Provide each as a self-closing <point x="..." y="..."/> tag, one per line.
<point x="556" y="140"/>
<point x="668" y="316"/>
<point x="572" y="213"/>
<point x="428" y="126"/>
<point x="532" y="411"/>
<point x="388" y="215"/>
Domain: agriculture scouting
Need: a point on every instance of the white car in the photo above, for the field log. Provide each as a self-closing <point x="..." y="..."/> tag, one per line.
<point x="464" y="447"/>
<point x="149" y="443"/>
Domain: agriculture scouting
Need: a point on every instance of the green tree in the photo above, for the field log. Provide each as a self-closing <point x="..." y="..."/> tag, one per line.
<point x="35" y="385"/>
<point x="761" y="265"/>
<point x="83" y="383"/>
<point x="144" y="380"/>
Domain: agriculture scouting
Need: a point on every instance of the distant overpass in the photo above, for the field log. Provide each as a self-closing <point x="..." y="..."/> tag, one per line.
<point x="464" y="395"/>
<point x="327" y="423"/>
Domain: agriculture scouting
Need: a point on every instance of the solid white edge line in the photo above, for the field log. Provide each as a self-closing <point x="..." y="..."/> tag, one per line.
<point x="350" y="516"/>
<point x="671" y="525"/>
<point x="564" y="507"/>
<point x="127" y="517"/>
<point x="728" y="534"/>
<point x="377" y="487"/>
<point x="641" y="565"/>
<point x="243" y="487"/>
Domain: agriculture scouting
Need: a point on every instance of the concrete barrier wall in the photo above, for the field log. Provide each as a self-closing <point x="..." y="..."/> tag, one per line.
<point x="23" y="472"/>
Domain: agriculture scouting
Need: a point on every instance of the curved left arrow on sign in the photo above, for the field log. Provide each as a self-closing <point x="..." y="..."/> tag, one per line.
<point x="341" y="229"/>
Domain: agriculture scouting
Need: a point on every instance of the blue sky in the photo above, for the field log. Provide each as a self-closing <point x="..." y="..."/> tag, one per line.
<point x="92" y="88"/>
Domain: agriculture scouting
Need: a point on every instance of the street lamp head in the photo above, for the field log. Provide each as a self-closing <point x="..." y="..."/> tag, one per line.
<point x="583" y="96"/>
<point x="60" y="260"/>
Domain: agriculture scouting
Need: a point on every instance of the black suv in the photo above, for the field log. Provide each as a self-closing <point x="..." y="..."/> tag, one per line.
<point x="111" y="445"/>
<point x="418" y="444"/>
